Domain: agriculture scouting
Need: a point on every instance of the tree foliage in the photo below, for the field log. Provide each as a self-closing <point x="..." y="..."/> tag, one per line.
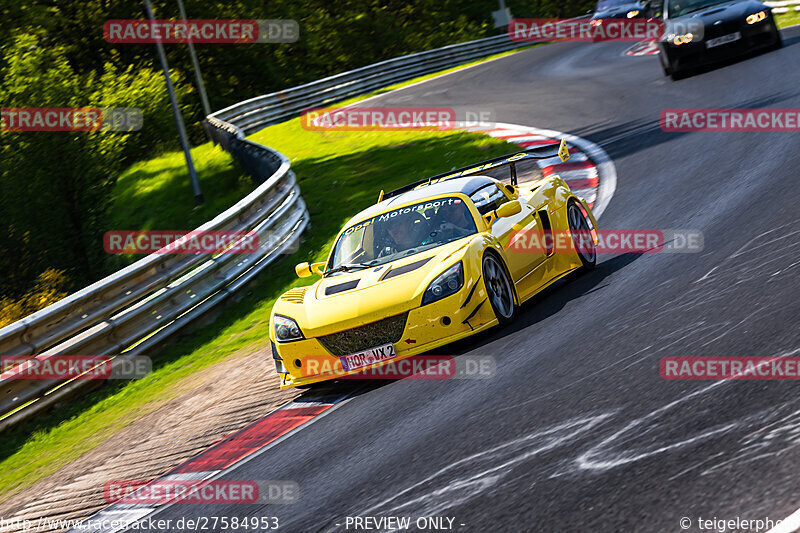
<point x="56" y="185"/>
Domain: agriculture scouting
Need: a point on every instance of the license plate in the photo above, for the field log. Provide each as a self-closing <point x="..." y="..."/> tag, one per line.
<point x="368" y="357"/>
<point x="725" y="39"/>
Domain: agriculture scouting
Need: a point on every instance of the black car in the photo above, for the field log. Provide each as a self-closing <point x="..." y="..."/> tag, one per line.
<point x="619" y="9"/>
<point x="625" y="9"/>
<point x="702" y="32"/>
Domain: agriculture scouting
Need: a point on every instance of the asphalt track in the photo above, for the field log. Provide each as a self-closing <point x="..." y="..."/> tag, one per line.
<point x="577" y="431"/>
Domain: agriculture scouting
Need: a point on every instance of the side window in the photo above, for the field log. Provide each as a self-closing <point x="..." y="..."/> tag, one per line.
<point x="652" y="9"/>
<point x="488" y="198"/>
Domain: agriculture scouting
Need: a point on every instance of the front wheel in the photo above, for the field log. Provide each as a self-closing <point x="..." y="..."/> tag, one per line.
<point x="498" y="287"/>
<point x="778" y="39"/>
<point x="580" y="226"/>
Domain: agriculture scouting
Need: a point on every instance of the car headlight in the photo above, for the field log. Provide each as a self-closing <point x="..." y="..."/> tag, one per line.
<point x="756" y="17"/>
<point x="447" y="283"/>
<point x="633" y="13"/>
<point x="287" y="329"/>
<point x="596" y="22"/>
<point x="682" y="39"/>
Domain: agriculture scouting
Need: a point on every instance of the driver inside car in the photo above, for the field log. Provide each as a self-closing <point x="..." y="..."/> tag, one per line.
<point x="453" y="222"/>
<point x="402" y="233"/>
<point x="408" y="231"/>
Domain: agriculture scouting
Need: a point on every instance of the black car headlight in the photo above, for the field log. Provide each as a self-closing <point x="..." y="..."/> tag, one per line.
<point x="756" y="17"/>
<point x="678" y="40"/>
<point x="448" y="282"/>
<point x="287" y="329"/>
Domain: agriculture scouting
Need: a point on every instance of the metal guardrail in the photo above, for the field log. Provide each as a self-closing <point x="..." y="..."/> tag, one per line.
<point x="136" y="308"/>
<point x="256" y="113"/>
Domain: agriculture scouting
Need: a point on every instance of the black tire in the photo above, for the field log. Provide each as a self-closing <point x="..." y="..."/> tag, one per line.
<point x="580" y="227"/>
<point x="499" y="288"/>
<point x="667" y="68"/>
<point x="778" y="39"/>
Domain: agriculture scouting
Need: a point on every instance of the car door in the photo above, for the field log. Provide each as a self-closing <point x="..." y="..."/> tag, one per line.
<point x="513" y="232"/>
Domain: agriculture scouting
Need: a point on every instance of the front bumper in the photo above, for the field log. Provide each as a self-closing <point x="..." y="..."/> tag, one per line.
<point x="455" y="317"/>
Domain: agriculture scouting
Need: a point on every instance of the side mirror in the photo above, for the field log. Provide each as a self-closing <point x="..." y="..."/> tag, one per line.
<point x="305" y="270"/>
<point x="509" y="209"/>
<point x="512" y="191"/>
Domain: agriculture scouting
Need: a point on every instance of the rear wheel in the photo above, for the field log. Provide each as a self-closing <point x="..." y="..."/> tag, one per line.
<point x="498" y="287"/>
<point x="580" y="226"/>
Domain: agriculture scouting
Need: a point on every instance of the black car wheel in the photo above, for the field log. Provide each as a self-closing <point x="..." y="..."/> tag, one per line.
<point x="664" y="61"/>
<point x="778" y="39"/>
<point x="580" y="227"/>
<point x="498" y="287"/>
<point x="676" y="74"/>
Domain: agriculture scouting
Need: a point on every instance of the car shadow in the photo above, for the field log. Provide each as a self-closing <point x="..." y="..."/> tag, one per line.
<point x="551" y="300"/>
<point x="791" y="41"/>
<point x="544" y="305"/>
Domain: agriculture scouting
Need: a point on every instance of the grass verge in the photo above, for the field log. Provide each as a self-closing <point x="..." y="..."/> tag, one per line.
<point x="157" y="194"/>
<point x="789" y="18"/>
<point x="339" y="173"/>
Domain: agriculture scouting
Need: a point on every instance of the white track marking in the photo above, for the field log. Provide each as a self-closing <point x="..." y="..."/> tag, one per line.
<point x="475" y="474"/>
<point x="790" y="524"/>
<point x="122" y="517"/>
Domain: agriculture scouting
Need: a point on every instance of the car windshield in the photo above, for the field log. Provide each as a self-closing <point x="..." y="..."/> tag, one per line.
<point x="678" y="8"/>
<point x="602" y="5"/>
<point x="402" y="232"/>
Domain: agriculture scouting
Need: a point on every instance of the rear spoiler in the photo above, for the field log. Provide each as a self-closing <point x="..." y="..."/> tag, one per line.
<point x="509" y="160"/>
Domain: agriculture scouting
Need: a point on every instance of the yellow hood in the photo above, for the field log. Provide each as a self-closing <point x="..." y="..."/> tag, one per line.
<point x="342" y="301"/>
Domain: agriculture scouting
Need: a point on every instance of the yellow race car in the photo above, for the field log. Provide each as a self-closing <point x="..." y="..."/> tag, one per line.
<point x="430" y="263"/>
